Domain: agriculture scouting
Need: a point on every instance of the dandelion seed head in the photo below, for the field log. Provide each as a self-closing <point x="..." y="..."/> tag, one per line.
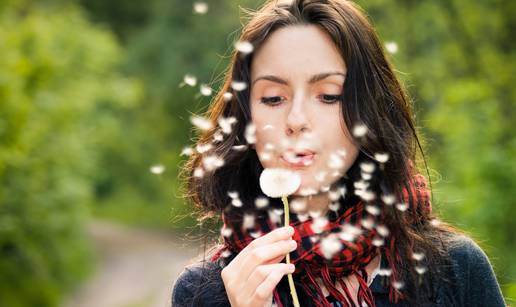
<point x="250" y="133"/>
<point x="381" y="157"/>
<point x="201" y="122"/>
<point x="261" y="202"/>
<point x="388" y="199"/>
<point x="359" y="130"/>
<point x="187" y="151"/>
<point x="157" y="169"/>
<point x="205" y="90"/>
<point x="200" y="7"/>
<point x="227" y="96"/>
<point x="330" y="245"/>
<point x="244" y="47"/>
<point x="278" y="182"/>
<point x="392" y="47"/>
<point x="402" y="207"/>
<point x="198" y="172"/>
<point x="190" y="80"/>
<point x="238" y="85"/>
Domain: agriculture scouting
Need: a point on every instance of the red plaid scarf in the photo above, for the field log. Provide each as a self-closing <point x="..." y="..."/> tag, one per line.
<point x="352" y="258"/>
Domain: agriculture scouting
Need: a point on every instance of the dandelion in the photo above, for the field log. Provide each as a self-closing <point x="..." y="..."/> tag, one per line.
<point x="238" y="85"/>
<point x="392" y="47"/>
<point x="402" y="207"/>
<point x="250" y="133"/>
<point x="381" y="157"/>
<point x="276" y="182"/>
<point x="202" y="148"/>
<point x="261" y="202"/>
<point x="200" y="7"/>
<point x="244" y="47"/>
<point x="205" y="90"/>
<point x="198" y="172"/>
<point x="187" y="151"/>
<point x="157" y="169"/>
<point x="359" y="130"/>
<point x="189" y="80"/>
<point x="330" y="245"/>
<point x="212" y="162"/>
<point x="201" y="122"/>
<point x="226" y="123"/>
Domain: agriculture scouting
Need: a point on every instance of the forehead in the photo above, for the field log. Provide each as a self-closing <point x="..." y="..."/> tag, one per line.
<point x="296" y="51"/>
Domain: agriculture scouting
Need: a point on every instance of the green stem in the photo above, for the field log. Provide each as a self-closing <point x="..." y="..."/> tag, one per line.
<point x="290" y="279"/>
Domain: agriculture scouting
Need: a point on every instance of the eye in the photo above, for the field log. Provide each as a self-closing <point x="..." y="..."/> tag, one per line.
<point x="272" y="101"/>
<point x="329" y="99"/>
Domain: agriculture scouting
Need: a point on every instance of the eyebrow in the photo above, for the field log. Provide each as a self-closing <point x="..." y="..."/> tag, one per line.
<point x="315" y="78"/>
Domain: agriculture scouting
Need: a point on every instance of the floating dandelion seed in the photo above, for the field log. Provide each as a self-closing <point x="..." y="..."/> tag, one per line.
<point x="381" y="157"/>
<point x="366" y="176"/>
<point x="388" y="199"/>
<point x="335" y="161"/>
<point x="342" y="152"/>
<point x="239" y="147"/>
<point x="212" y="162"/>
<point x="336" y="174"/>
<point x="237" y="203"/>
<point x="227" y="96"/>
<point x="418" y="256"/>
<point x="377" y="241"/>
<point x="368" y="223"/>
<point x="226" y="123"/>
<point x="205" y="90"/>
<point x="202" y="148"/>
<point x="225" y="254"/>
<point x="374" y="210"/>
<point x="268" y="127"/>
<point x="233" y="194"/>
<point x="261" y="202"/>
<point x="307" y="191"/>
<point x="321" y="176"/>
<point x="189" y="80"/>
<point x="157" y="169"/>
<point x="398" y="285"/>
<point x="435" y="222"/>
<point x="269" y="146"/>
<point x="200" y="8"/>
<point x="275" y="218"/>
<point x="334" y="206"/>
<point x="226" y="232"/>
<point x="318" y="224"/>
<point x="278" y="211"/>
<point x="248" y="221"/>
<point x="302" y="217"/>
<point x="367" y="195"/>
<point x="255" y="234"/>
<point x="360" y="184"/>
<point x="384" y="272"/>
<point x="218" y="137"/>
<point x="315" y="213"/>
<point x="402" y="207"/>
<point x="330" y="245"/>
<point x="265" y="155"/>
<point x="367" y="167"/>
<point x="314" y="239"/>
<point x="201" y="122"/>
<point x="244" y="47"/>
<point x="382" y="230"/>
<point x="359" y="130"/>
<point x="420" y="269"/>
<point x="198" y="172"/>
<point x="392" y="47"/>
<point x="250" y="133"/>
<point x="349" y="232"/>
<point x="334" y="195"/>
<point x="325" y="188"/>
<point x="238" y="85"/>
<point x="343" y="190"/>
<point x="187" y="151"/>
<point x="298" y="205"/>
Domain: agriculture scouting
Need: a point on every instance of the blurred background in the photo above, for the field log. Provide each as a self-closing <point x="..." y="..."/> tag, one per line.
<point x="94" y="116"/>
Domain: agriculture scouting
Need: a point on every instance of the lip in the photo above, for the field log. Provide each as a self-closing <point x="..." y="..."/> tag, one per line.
<point x="298" y="158"/>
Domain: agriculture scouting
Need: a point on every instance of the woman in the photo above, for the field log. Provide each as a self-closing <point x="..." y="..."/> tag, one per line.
<point x="317" y="96"/>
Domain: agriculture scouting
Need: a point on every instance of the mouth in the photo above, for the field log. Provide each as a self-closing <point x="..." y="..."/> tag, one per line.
<point x="299" y="158"/>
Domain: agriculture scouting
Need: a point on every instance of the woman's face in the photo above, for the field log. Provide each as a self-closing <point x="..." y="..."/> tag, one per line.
<point x="297" y="79"/>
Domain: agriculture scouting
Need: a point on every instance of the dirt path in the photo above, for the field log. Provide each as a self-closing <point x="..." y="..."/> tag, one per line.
<point x="136" y="268"/>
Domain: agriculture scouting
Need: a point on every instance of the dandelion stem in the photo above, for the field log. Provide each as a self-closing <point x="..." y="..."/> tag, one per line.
<point x="290" y="279"/>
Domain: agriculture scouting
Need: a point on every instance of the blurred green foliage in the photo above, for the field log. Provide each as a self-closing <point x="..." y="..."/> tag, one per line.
<point x="90" y="100"/>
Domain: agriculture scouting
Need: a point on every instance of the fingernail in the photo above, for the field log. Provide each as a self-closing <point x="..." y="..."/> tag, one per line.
<point x="290" y="230"/>
<point x="291" y="268"/>
<point x="292" y="245"/>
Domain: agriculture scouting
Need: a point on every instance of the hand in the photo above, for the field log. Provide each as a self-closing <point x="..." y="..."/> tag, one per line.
<point x="250" y="278"/>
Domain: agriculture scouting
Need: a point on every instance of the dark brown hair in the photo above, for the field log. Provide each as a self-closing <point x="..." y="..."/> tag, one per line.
<point x="372" y="96"/>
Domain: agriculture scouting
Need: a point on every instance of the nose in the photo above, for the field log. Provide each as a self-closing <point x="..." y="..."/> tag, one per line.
<point x="297" y="118"/>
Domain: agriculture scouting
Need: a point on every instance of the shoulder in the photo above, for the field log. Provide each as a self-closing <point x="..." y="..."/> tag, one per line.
<point x="197" y="283"/>
<point x="475" y="282"/>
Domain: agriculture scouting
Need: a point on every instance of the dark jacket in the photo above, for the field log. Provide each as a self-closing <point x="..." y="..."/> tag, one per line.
<point x="473" y="282"/>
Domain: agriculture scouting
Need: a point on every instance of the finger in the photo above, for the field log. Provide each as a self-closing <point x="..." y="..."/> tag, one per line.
<point x="264" y="290"/>
<point x="260" y="273"/>
<point x="275" y="235"/>
<point x="264" y="254"/>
